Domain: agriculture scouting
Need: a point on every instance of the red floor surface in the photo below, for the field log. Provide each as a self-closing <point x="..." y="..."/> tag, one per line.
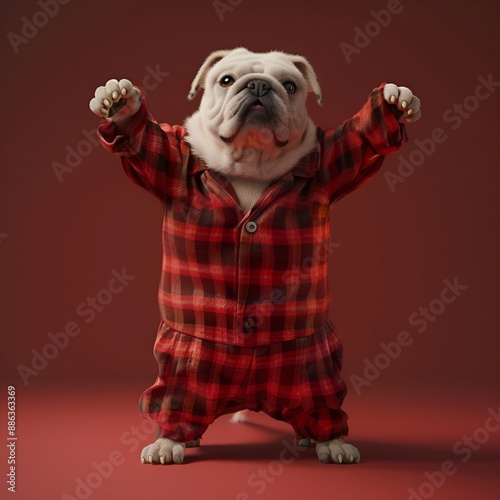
<point x="86" y="445"/>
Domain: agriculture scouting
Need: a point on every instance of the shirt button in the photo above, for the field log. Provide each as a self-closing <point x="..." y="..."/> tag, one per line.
<point x="251" y="226"/>
<point x="249" y="323"/>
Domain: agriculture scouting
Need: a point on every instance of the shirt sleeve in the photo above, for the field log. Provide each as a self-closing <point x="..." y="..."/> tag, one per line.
<point x="153" y="156"/>
<point x="354" y="151"/>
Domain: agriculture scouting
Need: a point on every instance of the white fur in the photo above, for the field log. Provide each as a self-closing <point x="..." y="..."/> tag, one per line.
<point x="239" y="416"/>
<point x="163" y="451"/>
<point x="337" y="451"/>
<point x="236" y="164"/>
<point x="248" y="191"/>
<point x="253" y="159"/>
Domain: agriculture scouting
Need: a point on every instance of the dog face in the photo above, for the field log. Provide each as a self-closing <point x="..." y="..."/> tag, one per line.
<point x="253" y="110"/>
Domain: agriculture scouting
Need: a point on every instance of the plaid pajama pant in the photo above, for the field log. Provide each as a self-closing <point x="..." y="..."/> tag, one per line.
<point x="297" y="381"/>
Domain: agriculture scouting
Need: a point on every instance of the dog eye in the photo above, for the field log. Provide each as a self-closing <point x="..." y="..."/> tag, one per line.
<point x="226" y="81"/>
<point x="289" y="87"/>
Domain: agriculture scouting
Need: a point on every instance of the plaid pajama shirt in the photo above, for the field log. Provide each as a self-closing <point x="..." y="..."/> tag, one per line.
<point x="244" y="298"/>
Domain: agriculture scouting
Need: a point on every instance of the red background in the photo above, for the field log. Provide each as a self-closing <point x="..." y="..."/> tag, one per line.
<point x="60" y="240"/>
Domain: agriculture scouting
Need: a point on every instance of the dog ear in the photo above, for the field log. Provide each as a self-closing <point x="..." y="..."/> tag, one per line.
<point x="199" y="79"/>
<point x="306" y="69"/>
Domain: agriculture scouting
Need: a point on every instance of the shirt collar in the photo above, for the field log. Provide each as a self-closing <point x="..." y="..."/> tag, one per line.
<point x="308" y="165"/>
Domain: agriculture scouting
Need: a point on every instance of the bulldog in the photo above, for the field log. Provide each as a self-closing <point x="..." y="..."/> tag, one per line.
<point x="246" y="186"/>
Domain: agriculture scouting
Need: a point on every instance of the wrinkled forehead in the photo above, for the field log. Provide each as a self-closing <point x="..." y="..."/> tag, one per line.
<point x="242" y="63"/>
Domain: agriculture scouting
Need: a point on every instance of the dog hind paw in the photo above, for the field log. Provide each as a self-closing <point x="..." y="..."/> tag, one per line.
<point x="239" y="416"/>
<point x="163" y="451"/>
<point x="337" y="451"/>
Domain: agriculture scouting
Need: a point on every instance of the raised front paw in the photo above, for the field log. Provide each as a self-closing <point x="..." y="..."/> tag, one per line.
<point x="402" y="98"/>
<point x="116" y="100"/>
<point x="163" y="451"/>
<point x="337" y="451"/>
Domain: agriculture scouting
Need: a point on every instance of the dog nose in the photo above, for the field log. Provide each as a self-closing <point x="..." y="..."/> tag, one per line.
<point x="258" y="87"/>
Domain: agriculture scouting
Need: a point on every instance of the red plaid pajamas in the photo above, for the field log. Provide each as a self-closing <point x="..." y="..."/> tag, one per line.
<point x="201" y="380"/>
<point x="243" y="294"/>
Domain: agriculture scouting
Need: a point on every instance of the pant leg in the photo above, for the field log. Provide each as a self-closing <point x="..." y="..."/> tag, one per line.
<point x="307" y="391"/>
<point x="198" y="381"/>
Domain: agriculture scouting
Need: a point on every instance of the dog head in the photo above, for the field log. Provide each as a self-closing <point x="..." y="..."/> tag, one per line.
<point x="252" y="120"/>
